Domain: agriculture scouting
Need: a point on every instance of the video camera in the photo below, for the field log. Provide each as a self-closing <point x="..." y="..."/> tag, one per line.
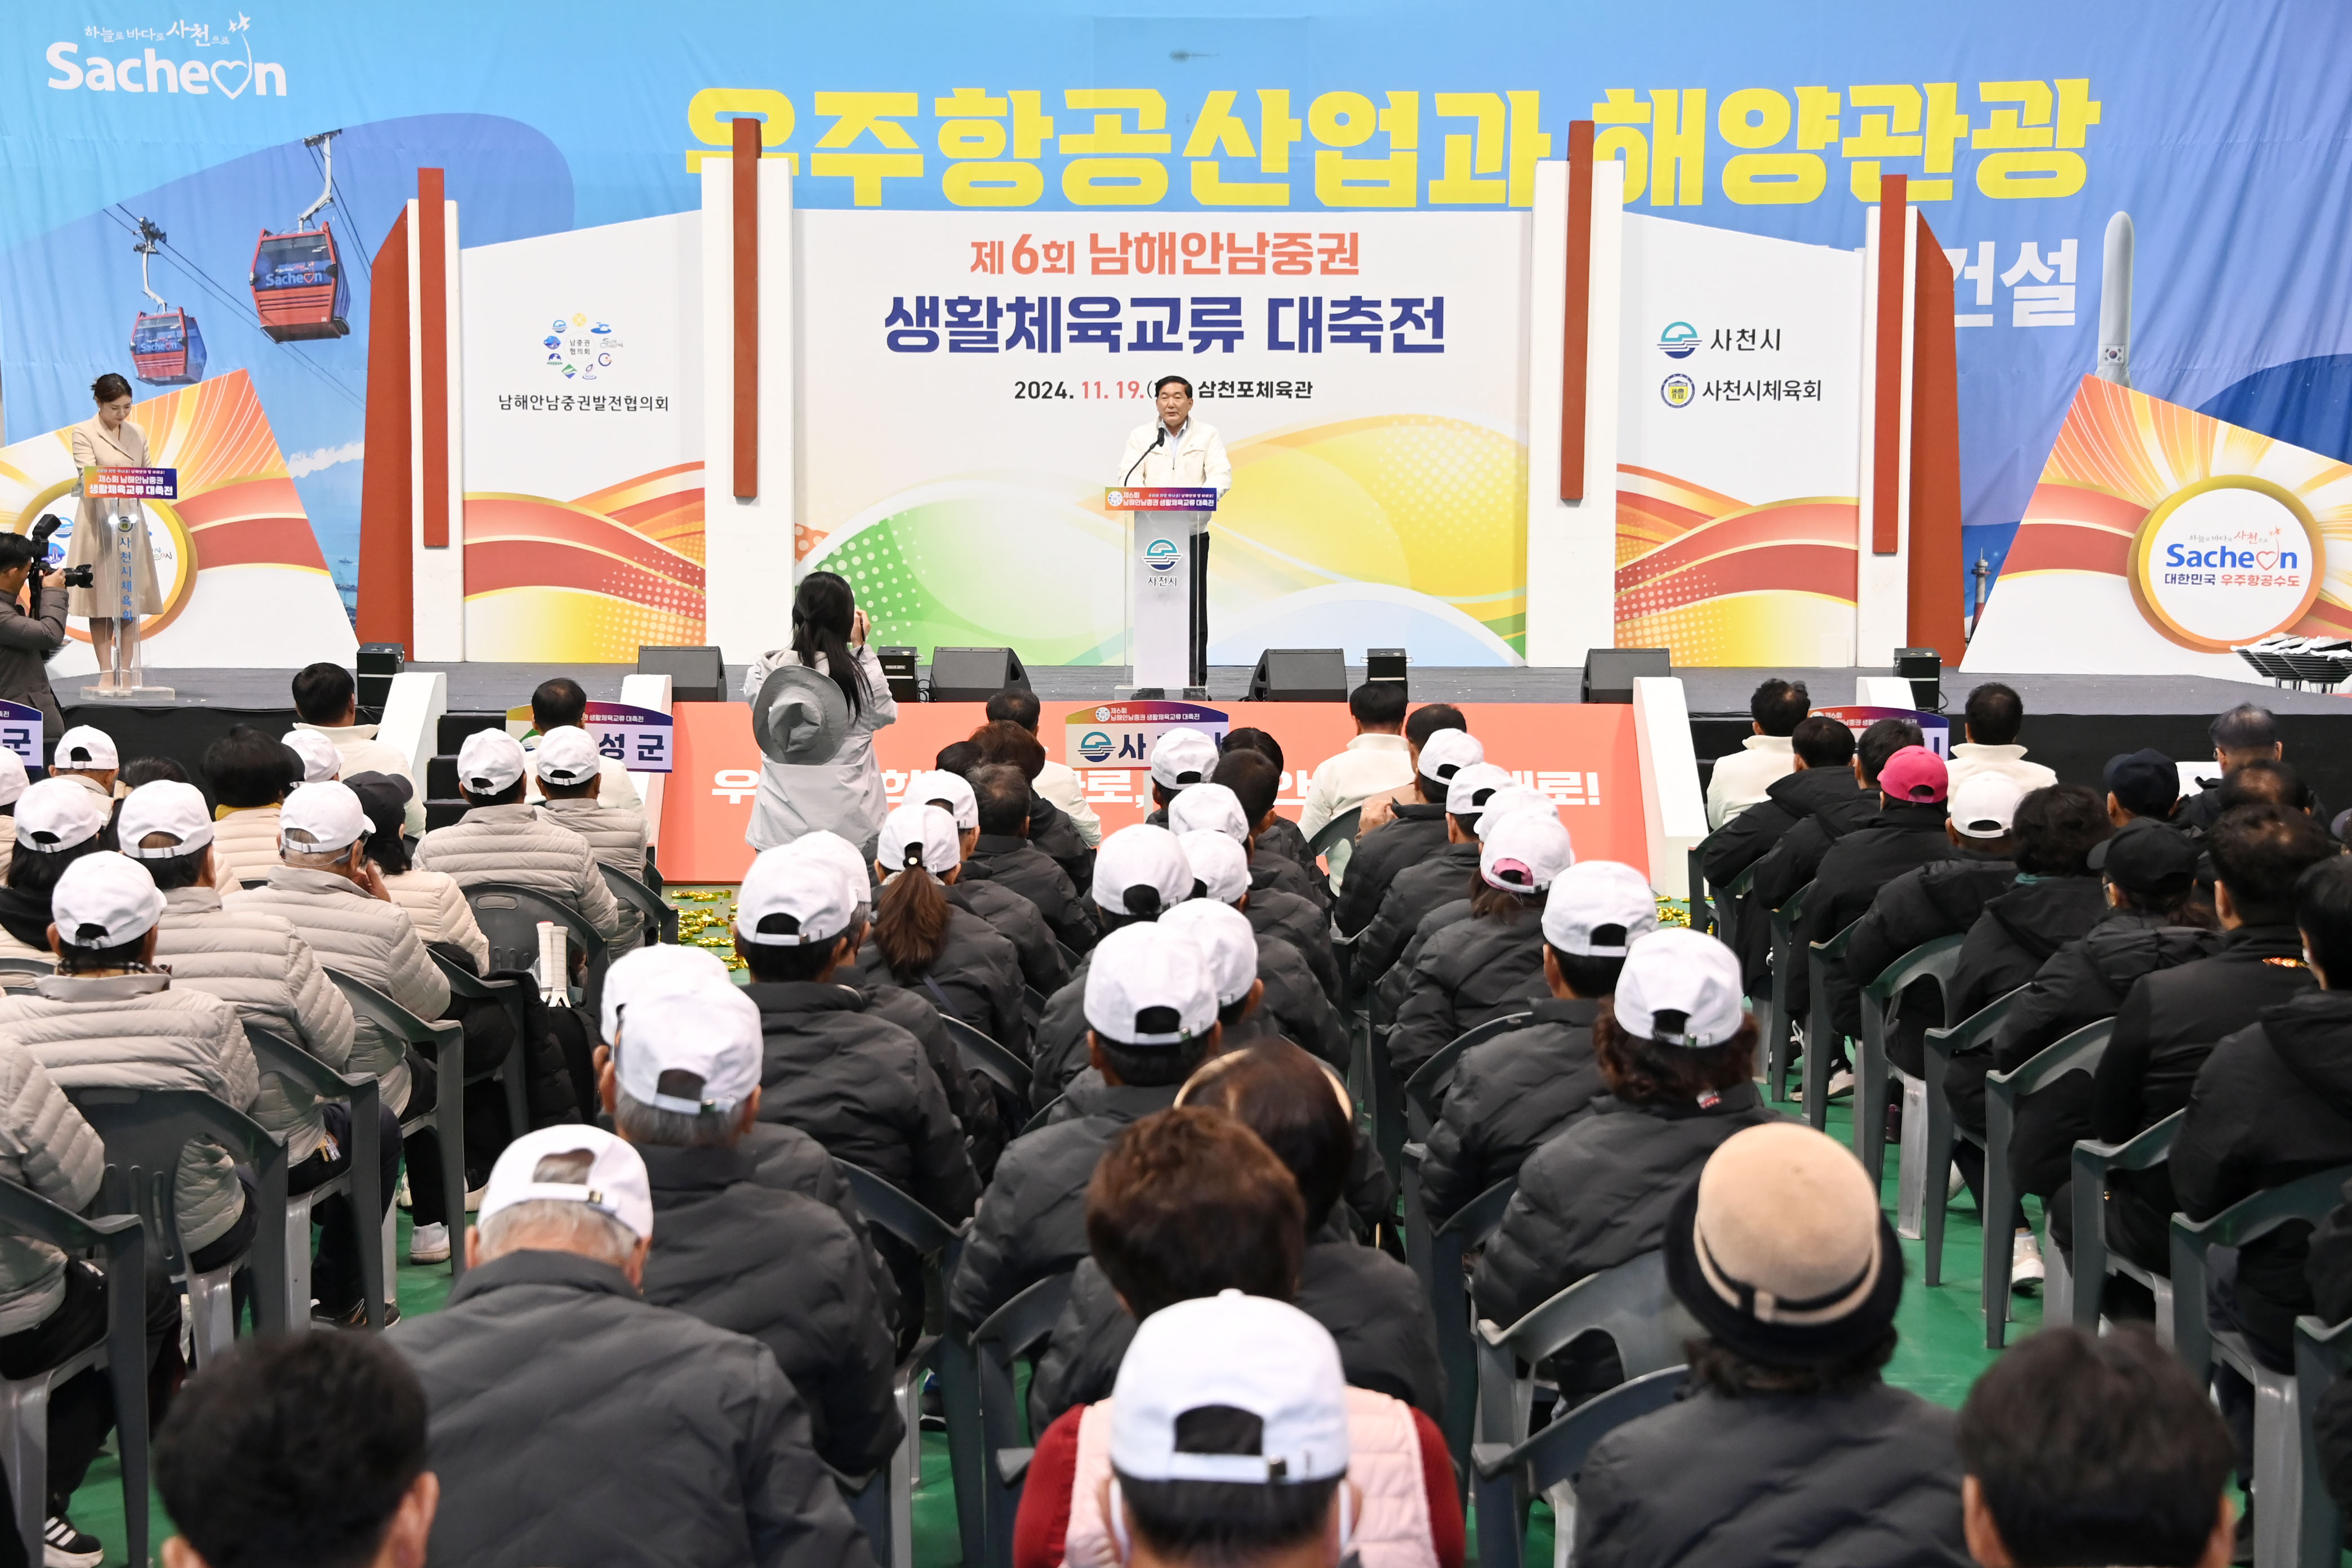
<point x="71" y="576"/>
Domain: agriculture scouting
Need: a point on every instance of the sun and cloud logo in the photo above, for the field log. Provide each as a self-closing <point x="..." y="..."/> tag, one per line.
<point x="1677" y="391"/>
<point x="1678" y="340"/>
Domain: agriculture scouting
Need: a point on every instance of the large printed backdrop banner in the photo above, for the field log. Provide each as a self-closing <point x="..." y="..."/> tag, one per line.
<point x="1582" y="757"/>
<point x="981" y="175"/>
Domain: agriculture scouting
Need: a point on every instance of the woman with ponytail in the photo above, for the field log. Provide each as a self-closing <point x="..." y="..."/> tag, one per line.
<point x="838" y="786"/>
<point x="924" y="944"/>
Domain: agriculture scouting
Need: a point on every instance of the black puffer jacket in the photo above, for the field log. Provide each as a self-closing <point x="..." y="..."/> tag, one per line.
<point x="1284" y="838"/>
<point x="1894" y="840"/>
<point x="1374" y="1307"/>
<point x="1509" y="1096"/>
<point x="1293" y="1005"/>
<point x="1388" y="995"/>
<point x="1033" y="1221"/>
<point x="913" y="1012"/>
<point x="1483" y="969"/>
<point x="1052" y="831"/>
<point x="1271" y="868"/>
<point x="1788" y="800"/>
<point x="1443" y="876"/>
<point x="1415" y="833"/>
<point x="787" y="1160"/>
<point x="2270" y="1105"/>
<point x="1869" y="1479"/>
<point x="1013" y="861"/>
<point x="2018" y="933"/>
<point x="1599" y="1195"/>
<point x="1019" y="921"/>
<point x="1833" y="810"/>
<point x="976" y="978"/>
<point x="674" y="1431"/>
<point x="1274" y="910"/>
<point x="785" y="1270"/>
<point x="1060" y="1052"/>
<point x="1943" y="898"/>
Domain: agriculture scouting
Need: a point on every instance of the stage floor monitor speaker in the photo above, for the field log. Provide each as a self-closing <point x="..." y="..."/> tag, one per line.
<point x="1299" y="675"/>
<point x="974" y="674"/>
<point x="1923" y="668"/>
<point x="696" y="674"/>
<point x="1610" y="672"/>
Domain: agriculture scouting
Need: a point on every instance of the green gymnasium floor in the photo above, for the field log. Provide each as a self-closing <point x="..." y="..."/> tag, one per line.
<point x="1942" y="1352"/>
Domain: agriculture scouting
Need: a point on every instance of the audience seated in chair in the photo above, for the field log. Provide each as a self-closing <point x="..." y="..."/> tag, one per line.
<point x="1745" y="777"/>
<point x="327" y="703"/>
<point x="1219" y="807"/>
<point x="562" y="704"/>
<point x="1015" y="916"/>
<point x="87" y="755"/>
<point x="1151" y="1019"/>
<point x="1289" y="1003"/>
<point x="2246" y="733"/>
<point x="1002" y="853"/>
<point x="1796" y="855"/>
<point x="1282" y="903"/>
<point x="548" y="1377"/>
<point x="500" y="839"/>
<point x="1422" y="726"/>
<point x="2093" y="1448"/>
<point x="1995" y="715"/>
<point x="1378" y="759"/>
<point x="1138" y="872"/>
<point x="321" y="763"/>
<point x="1790" y="1447"/>
<point x="1490" y="964"/>
<point x="1448" y="874"/>
<point x="1824" y="782"/>
<point x="436" y="904"/>
<point x="57" y="823"/>
<point x="1275" y="832"/>
<point x="1051" y="829"/>
<point x="301" y="1448"/>
<point x="1512" y="1094"/>
<point x="2142" y="785"/>
<point x="1057" y="782"/>
<point x="920" y="940"/>
<point x="571" y="780"/>
<point x="249" y="774"/>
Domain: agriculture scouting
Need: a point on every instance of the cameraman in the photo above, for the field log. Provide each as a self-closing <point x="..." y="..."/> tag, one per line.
<point x="29" y="636"/>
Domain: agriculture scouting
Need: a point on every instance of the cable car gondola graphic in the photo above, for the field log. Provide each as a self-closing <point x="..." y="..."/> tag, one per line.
<point x="166" y="349"/>
<point x="298" y="288"/>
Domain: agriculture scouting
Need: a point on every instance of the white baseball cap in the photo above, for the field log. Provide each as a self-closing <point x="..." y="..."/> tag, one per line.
<point x="1226" y="941"/>
<point x="657" y="968"/>
<point x="1597" y="909"/>
<point x="1680" y="987"/>
<point x="1514" y="800"/>
<point x="1141" y="870"/>
<point x="1473" y="786"/>
<point x="1448" y="752"/>
<point x="1984" y="805"/>
<point x="105" y="900"/>
<point x="167" y="805"/>
<point x="940" y="785"/>
<point x="329" y="812"/>
<point x="320" y="761"/>
<point x="566" y="755"/>
<point x="1220" y="866"/>
<point x="834" y="850"/>
<point x="1213" y="806"/>
<point x="816" y="895"/>
<point x="490" y="762"/>
<point x="84" y="749"/>
<point x="1147" y="986"/>
<point x="1181" y="757"/>
<point x="533" y="1169"/>
<point x="58" y="814"/>
<point x="1245" y="1352"/>
<point x="919" y="835"/>
<point x="1525" y="853"/>
<point x="13" y="779"/>
<point x="691" y="1050"/>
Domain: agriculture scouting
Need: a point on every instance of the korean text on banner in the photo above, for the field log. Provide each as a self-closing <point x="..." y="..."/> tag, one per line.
<point x="636" y="737"/>
<point x="1121" y="734"/>
<point x="1935" y="729"/>
<point x="1160" y="498"/>
<point x="130" y="484"/>
<point x="20" y="732"/>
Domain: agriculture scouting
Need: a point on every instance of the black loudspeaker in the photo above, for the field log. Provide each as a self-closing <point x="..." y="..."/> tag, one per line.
<point x="1923" y="668"/>
<point x="1610" y="672"/>
<point x="378" y="663"/>
<point x="1387" y="664"/>
<point x="898" y="669"/>
<point x="974" y="674"/>
<point x="696" y="674"/>
<point x="1299" y="675"/>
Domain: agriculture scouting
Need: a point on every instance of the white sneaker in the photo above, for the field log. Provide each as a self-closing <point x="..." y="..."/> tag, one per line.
<point x="63" y="1546"/>
<point x="1841" y="1084"/>
<point x="430" y="1244"/>
<point x="2025" y="1266"/>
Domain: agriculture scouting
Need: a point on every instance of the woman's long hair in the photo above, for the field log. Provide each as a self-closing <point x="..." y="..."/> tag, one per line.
<point x="910" y="920"/>
<point x="823" y="614"/>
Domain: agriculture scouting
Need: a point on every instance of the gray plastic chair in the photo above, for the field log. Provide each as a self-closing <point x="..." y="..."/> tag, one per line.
<point x="2004" y="1092"/>
<point x="2278" y="1417"/>
<point x="2322" y="1354"/>
<point x="446" y="1042"/>
<point x="1341" y="829"/>
<point x="2094" y="1163"/>
<point x="1928" y="1188"/>
<point x="980" y="1051"/>
<point x="1779" y="1021"/>
<point x="509" y="916"/>
<point x="1630" y="1303"/>
<point x="1730" y="905"/>
<point x="512" y="1072"/>
<point x="1546" y="1465"/>
<point x="1824" y="1039"/>
<point x="1424" y="1091"/>
<point x="1436" y="1252"/>
<point x="24" y="1402"/>
<point x="1929" y="961"/>
<point x="361" y="1182"/>
<point x="144" y="1131"/>
<point x="658" y="911"/>
<point x="1014" y="1332"/>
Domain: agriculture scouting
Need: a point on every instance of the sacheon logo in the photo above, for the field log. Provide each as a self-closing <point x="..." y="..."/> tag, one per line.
<point x="1159" y="555"/>
<point x="1096" y="746"/>
<point x="1678" y="340"/>
<point x="210" y="63"/>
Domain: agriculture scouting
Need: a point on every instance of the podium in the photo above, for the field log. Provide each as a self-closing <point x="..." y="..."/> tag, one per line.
<point x="1165" y="524"/>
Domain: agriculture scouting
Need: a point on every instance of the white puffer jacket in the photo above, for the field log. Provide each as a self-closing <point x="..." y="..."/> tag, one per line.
<point x="438" y="907"/>
<point x="259" y="965"/>
<point x="135" y="1031"/>
<point x="616" y="837"/>
<point x="354" y="932"/>
<point x="45" y="1145"/>
<point x="510" y="844"/>
<point x="244" y="841"/>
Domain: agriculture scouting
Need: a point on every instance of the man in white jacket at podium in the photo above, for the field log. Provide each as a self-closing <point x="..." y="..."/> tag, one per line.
<point x="1178" y="449"/>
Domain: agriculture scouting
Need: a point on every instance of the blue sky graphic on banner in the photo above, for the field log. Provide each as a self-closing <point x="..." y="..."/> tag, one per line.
<point x="2021" y="128"/>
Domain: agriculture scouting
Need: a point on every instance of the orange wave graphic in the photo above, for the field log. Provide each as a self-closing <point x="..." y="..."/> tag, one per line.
<point x="633" y="548"/>
<point x="1720" y="581"/>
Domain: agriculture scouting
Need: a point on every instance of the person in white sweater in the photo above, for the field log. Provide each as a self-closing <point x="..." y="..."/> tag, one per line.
<point x="327" y="703"/>
<point x="1741" y="779"/>
<point x="1995" y="715"/>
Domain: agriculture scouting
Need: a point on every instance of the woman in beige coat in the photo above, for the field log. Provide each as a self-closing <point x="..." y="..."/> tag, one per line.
<point x="111" y="535"/>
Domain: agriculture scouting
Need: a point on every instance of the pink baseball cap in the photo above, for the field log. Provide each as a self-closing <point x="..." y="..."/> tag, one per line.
<point x="1915" y="774"/>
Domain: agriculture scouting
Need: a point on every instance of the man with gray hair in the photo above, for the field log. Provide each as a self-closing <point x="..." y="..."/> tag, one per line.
<point x="567" y="1413"/>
